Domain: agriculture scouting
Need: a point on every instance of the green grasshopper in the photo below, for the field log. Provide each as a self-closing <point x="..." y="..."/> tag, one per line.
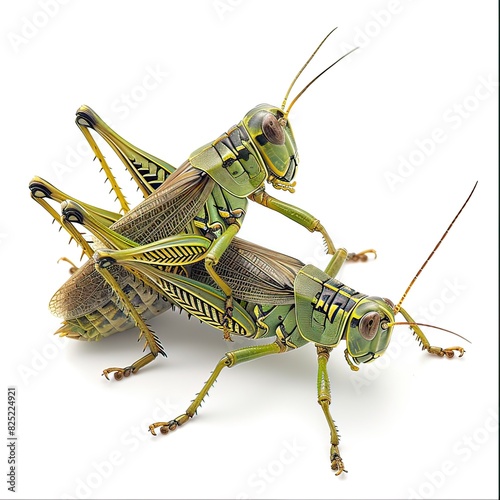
<point x="309" y="306"/>
<point x="211" y="189"/>
<point x="207" y="195"/>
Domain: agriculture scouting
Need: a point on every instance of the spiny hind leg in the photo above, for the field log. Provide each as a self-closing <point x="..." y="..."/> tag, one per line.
<point x="72" y="213"/>
<point x="231" y="359"/>
<point x="146" y="170"/>
<point x="151" y="341"/>
<point x="41" y="191"/>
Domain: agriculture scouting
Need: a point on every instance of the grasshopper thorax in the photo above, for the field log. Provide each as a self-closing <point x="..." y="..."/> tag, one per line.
<point x="273" y="137"/>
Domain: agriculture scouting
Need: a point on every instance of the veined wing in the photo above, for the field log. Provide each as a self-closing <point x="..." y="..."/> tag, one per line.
<point x="254" y="273"/>
<point x="170" y="209"/>
<point x="86" y="290"/>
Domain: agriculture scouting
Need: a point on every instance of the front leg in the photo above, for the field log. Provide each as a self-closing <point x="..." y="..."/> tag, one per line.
<point x="448" y="352"/>
<point x="296" y="214"/>
<point x="324" y="400"/>
<point x="306" y="220"/>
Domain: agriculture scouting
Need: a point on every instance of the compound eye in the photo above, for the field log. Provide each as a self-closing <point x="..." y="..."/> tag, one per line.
<point x="368" y="326"/>
<point x="272" y="130"/>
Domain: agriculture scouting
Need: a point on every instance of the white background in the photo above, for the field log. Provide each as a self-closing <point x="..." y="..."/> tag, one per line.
<point x="411" y="424"/>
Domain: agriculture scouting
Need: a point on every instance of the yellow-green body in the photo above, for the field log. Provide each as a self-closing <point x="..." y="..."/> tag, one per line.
<point x="179" y="247"/>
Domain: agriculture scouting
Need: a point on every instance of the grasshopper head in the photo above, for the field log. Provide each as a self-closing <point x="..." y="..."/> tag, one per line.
<point x="368" y="333"/>
<point x="273" y="137"/>
<point x="271" y="133"/>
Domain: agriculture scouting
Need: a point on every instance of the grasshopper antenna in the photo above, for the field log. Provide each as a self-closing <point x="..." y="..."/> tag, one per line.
<point x="314" y="79"/>
<point x="303" y="68"/>
<point x="398" y="306"/>
<point x="413" y="323"/>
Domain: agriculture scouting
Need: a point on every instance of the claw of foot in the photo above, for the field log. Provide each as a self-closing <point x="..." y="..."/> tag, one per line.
<point x="336" y="461"/>
<point x="337" y="465"/>
<point x="171" y="425"/>
<point x="449" y="352"/>
<point x="118" y="373"/>
<point x="361" y="256"/>
<point x="152" y="428"/>
<point x="164" y="427"/>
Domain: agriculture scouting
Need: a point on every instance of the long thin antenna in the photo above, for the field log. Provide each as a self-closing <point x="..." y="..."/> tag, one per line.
<point x="398" y="306"/>
<point x="315" y="78"/>
<point x="412" y="323"/>
<point x="303" y="68"/>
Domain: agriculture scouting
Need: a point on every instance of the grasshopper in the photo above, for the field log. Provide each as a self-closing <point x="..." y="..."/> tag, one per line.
<point x="207" y="196"/>
<point x="309" y="306"/>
